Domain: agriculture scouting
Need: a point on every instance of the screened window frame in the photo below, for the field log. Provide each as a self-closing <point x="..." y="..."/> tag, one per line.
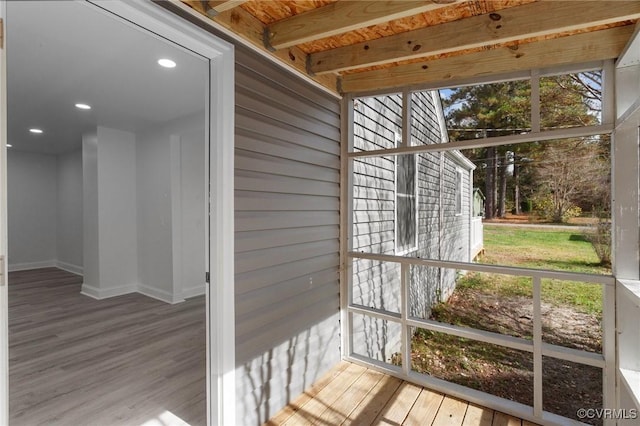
<point x="401" y="250"/>
<point x="606" y="360"/>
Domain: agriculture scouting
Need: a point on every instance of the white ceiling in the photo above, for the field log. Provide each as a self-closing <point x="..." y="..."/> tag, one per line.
<point x="60" y="53"/>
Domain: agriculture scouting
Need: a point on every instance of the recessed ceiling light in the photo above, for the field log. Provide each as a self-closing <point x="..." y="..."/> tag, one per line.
<point x="34" y="130"/>
<point x="83" y="106"/>
<point x="9" y="145"/>
<point x="167" y="63"/>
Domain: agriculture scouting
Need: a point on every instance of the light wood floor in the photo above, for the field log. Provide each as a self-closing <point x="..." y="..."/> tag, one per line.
<point x="126" y="360"/>
<point x="353" y="395"/>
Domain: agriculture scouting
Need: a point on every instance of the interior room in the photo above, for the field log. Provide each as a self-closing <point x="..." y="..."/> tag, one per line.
<point x="106" y="182"/>
<point x="333" y="232"/>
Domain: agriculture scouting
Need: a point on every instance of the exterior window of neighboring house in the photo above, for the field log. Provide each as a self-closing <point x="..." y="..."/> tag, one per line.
<point x="406" y="204"/>
<point x="459" y="181"/>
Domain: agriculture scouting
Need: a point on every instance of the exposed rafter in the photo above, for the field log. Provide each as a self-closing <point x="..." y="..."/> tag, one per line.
<point x="590" y="46"/>
<point x="242" y="22"/>
<point x="380" y="45"/>
<point x="528" y="21"/>
<point x="215" y="7"/>
<point x="340" y="17"/>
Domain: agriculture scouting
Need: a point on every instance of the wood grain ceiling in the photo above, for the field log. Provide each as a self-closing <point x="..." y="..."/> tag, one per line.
<point x="355" y="46"/>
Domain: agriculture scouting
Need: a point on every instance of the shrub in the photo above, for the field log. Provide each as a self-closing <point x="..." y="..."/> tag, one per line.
<point x="600" y="238"/>
<point x="557" y="211"/>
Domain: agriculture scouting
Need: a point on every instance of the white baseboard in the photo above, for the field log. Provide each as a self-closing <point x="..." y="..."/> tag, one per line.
<point x="74" y="269"/>
<point x="99" y="294"/>
<point x="197" y="290"/>
<point x="32" y="265"/>
<point x="161" y="295"/>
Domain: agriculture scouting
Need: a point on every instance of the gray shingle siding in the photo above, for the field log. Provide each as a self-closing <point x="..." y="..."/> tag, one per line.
<point x="441" y="233"/>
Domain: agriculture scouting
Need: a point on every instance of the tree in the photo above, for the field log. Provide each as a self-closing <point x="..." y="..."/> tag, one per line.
<point x="490" y="110"/>
<point x="531" y="169"/>
<point x="571" y="169"/>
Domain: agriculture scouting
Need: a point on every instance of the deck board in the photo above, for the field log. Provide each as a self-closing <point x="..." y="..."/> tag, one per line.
<point x="350" y="398"/>
<point x="398" y="407"/>
<point x="313" y="409"/>
<point x="425" y="409"/>
<point x="478" y="416"/>
<point x="451" y="412"/>
<point x="355" y="395"/>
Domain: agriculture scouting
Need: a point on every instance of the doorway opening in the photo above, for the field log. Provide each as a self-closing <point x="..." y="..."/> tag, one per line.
<point x="108" y="170"/>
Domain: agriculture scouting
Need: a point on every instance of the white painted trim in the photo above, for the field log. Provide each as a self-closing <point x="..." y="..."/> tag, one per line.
<point x="33" y="265"/>
<point x="194" y="291"/>
<point x="474" y="396"/>
<point x="158" y="294"/>
<point x="460" y="159"/>
<point x="4" y="299"/>
<point x="631" y="380"/>
<point x="405" y="344"/>
<point x="631" y="53"/>
<point x="537" y="347"/>
<point x="346" y="226"/>
<point x="69" y="267"/>
<point x="100" y="294"/>
<point x="609" y="350"/>
<point x="546" y="135"/>
<point x="437" y="102"/>
<point x="222" y="240"/>
<point x="221" y="389"/>
<point x="508" y="270"/>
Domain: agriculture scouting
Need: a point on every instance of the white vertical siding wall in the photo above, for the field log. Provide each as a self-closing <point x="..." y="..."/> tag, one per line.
<point x="287" y="251"/>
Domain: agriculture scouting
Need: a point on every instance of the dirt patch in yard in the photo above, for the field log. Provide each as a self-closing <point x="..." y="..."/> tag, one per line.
<point x="505" y="372"/>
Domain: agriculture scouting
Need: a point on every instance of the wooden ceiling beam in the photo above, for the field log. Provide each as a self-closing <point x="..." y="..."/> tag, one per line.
<point x="531" y="20"/>
<point x="340" y="17"/>
<point x="215" y="7"/>
<point x="251" y="29"/>
<point x="585" y="47"/>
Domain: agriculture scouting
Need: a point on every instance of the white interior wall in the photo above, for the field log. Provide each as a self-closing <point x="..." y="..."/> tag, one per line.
<point x="190" y="253"/>
<point x="32" y="215"/>
<point x="155" y="255"/>
<point x="171" y="209"/>
<point x="90" y="211"/>
<point x="126" y="210"/>
<point x="115" y="187"/>
<point x="69" y="208"/>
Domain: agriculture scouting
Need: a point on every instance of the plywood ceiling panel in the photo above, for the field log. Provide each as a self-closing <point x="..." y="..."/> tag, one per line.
<point x="365" y="37"/>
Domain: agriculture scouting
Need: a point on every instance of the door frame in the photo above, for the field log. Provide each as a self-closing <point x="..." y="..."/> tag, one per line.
<point x="220" y="296"/>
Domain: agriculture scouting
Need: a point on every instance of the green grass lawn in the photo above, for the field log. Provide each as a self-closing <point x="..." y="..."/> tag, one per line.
<point x="540" y="249"/>
<point x="503" y="304"/>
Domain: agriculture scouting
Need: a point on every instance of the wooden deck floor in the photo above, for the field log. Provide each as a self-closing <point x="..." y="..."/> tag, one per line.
<point x="126" y="360"/>
<point x="354" y="395"/>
